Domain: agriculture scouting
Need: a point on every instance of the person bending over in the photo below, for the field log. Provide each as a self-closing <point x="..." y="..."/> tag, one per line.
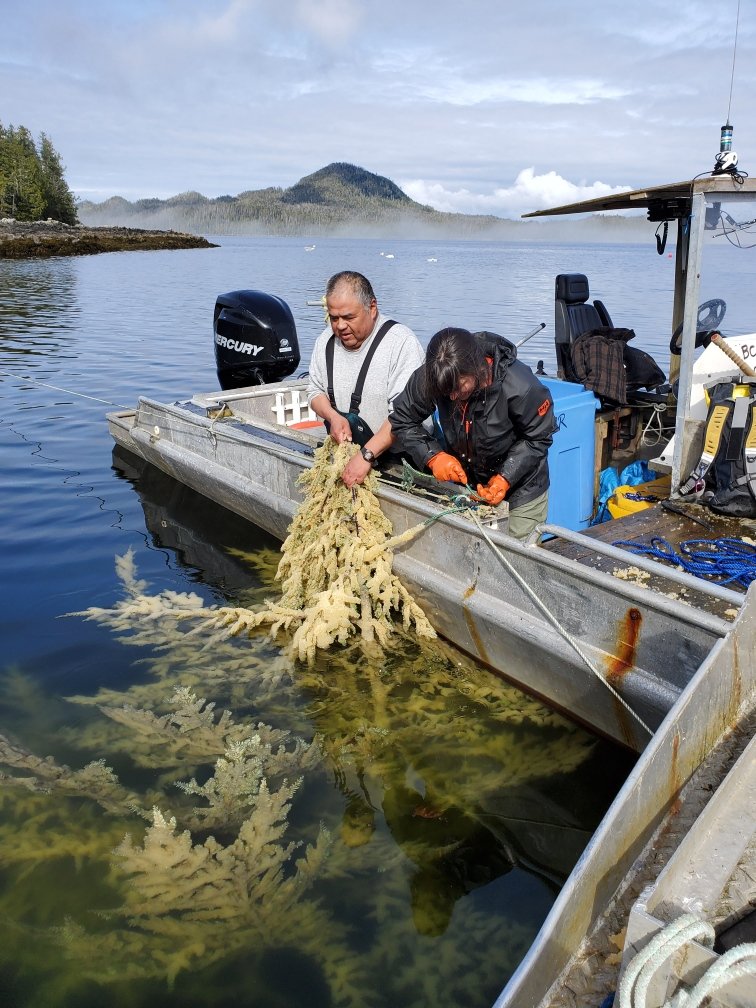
<point x="359" y="364"/>
<point x="494" y="422"/>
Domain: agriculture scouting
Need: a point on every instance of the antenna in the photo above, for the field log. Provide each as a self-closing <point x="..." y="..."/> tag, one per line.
<point x="726" y="160"/>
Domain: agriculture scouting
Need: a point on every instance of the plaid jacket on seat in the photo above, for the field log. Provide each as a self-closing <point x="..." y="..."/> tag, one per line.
<point x="598" y="360"/>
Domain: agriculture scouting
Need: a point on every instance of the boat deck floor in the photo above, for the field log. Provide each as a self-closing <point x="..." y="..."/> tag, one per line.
<point x="687" y="524"/>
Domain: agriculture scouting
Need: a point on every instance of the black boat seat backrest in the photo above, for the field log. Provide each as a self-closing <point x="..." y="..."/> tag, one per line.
<point x="574" y="315"/>
<point x="604" y="315"/>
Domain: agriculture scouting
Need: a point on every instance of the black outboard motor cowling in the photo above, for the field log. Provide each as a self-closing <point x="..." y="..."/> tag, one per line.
<point x="255" y="339"/>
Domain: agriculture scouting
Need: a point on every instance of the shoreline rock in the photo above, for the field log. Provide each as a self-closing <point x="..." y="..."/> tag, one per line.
<point x="43" y="239"/>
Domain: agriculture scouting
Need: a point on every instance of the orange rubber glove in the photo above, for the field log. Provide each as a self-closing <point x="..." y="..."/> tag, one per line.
<point x="494" y="491"/>
<point x="446" y="468"/>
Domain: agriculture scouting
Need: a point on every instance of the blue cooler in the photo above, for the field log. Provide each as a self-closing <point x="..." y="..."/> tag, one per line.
<point x="571" y="456"/>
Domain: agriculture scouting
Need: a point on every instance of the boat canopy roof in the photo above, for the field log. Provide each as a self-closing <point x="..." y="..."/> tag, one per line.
<point x="722" y="187"/>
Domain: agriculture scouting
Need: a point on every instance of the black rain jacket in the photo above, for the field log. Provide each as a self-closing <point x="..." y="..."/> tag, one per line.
<point x="504" y="428"/>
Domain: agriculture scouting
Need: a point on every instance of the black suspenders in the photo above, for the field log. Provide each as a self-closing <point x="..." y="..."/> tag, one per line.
<point x="354" y="405"/>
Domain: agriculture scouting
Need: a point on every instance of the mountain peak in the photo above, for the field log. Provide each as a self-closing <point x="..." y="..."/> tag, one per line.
<point x="340" y="182"/>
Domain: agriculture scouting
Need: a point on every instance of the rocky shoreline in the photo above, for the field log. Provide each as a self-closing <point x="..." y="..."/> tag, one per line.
<point x="43" y="239"/>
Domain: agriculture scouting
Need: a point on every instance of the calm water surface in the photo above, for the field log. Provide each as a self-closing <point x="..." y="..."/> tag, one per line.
<point x="442" y="809"/>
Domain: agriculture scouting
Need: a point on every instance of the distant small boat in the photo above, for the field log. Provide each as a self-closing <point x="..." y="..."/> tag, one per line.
<point x="309" y="248"/>
<point x="389" y="255"/>
<point x="432" y="259"/>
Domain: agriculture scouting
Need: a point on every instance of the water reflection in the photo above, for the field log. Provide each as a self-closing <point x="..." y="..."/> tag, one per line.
<point x="183" y="523"/>
<point x="39" y="308"/>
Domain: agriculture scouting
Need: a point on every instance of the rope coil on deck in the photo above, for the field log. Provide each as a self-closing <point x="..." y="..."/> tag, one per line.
<point x="738" y="962"/>
<point x="727" y="560"/>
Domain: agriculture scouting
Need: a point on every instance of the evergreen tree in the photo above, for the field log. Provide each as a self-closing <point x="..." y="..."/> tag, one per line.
<point x="4" y="178"/>
<point x="60" y="201"/>
<point x="27" y="199"/>
<point x="32" y="185"/>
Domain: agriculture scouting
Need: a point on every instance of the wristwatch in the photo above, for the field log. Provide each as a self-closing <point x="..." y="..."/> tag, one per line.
<point x="367" y="455"/>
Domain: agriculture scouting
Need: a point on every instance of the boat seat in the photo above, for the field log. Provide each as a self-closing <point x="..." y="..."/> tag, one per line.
<point x="573" y="316"/>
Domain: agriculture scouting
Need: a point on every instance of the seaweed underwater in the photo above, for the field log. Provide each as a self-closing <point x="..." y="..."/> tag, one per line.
<point x="206" y="873"/>
<point x="335" y="571"/>
<point x="348" y="815"/>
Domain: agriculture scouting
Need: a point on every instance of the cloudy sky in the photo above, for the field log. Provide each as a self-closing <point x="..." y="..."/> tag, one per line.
<point x="479" y="106"/>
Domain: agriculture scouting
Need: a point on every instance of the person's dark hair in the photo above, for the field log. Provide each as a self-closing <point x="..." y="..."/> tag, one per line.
<point x="360" y="285"/>
<point x="452" y="354"/>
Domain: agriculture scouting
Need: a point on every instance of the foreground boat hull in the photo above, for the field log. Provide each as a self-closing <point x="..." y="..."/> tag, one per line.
<point x="711" y="721"/>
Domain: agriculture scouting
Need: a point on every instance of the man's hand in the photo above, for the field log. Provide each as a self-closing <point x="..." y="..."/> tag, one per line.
<point x="340" y="430"/>
<point x="355" y="470"/>
<point x="494" y="491"/>
<point x="446" y="468"/>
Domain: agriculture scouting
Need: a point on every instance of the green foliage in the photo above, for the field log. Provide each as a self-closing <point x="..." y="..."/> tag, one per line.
<point x="32" y="183"/>
<point x="341" y="183"/>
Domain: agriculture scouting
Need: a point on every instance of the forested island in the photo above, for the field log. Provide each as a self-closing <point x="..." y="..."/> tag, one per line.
<point x="343" y="200"/>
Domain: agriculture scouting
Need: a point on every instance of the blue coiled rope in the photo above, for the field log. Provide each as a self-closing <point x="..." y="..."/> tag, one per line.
<point x="728" y="560"/>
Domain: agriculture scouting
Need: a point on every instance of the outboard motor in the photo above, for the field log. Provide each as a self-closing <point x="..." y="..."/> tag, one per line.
<point x="255" y="339"/>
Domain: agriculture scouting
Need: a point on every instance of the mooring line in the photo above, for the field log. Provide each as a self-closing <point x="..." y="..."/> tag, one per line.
<point x="58" y="388"/>
<point x="555" y="622"/>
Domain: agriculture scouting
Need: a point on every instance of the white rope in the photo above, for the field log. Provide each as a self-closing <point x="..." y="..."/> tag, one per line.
<point x="653" y="431"/>
<point x="555" y="623"/>
<point x="659" y="949"/>
<point x="734" y="964"/>
<point x="58" y="388"/>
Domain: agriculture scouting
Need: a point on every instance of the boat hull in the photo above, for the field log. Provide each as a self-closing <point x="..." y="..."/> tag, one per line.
<point x="534" y="617"/>
<point x="708" y="724"/>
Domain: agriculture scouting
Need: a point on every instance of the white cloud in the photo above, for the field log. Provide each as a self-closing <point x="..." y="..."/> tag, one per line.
<point x="540" y="91"/>
<point x="163" y="96"/>
<point x="528" y="192"/>
<point x="334" y="22"/>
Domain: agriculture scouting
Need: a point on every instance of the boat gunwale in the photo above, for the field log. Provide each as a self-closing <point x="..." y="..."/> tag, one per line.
<point x="243" y="431"/>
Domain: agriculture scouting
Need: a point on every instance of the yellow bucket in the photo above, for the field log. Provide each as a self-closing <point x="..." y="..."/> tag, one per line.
<point x="627" y="500"/>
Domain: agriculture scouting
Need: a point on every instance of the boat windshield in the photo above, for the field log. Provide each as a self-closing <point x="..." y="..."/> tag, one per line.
<point x="727" y="267"/>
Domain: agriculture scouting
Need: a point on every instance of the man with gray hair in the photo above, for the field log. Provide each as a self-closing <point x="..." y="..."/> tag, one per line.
<point x="359" y="364"/>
